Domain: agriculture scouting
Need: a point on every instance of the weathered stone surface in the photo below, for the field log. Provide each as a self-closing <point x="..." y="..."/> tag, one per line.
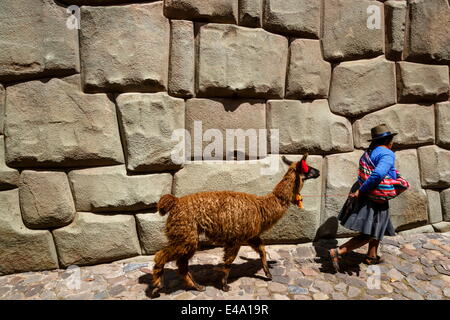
<point x="299" y="18"/>
<point x="250" y="13"/>
<point x="151" y="232"/>
<point x="428" y="39"/>
<point x="414" y="124"/>
<point x="424" y="229"/>
<point x="346" y="35"/>
<point x="395" y="17"/>
<point x="54" y="124"/>
<point x="362" y="86"/>
<point x="2" y="107"/>
<point x="308" y="74"/>
<point x="340" y="174"/>
<point x="125" y="55"/>
<point x="108" y="189"/>
<point x="35" y="40"/>
<point x="9" y="177"/>
<point x="182" y="59"/>
<point x="222" y="114"/>
<point x="246" y="176"/>
<point x="410" y="208"/>
<point x="223" y="11"/>
<point x="442" y="111"/>
<point x="420" y="82"/>
<point x="434" y="206"/>
<point x="93" y="238"/>
<point x="445" y="202"/>
<point x="442" y="227"/>
<point x="435" y="167"/>
<point x="148" y="121"/>
<point x="101" y="2"/>
<point x="22" y="249"/>
<point x="46" y="199"/>
<point x="237" y="61"/>
<point x="302" y="126"/>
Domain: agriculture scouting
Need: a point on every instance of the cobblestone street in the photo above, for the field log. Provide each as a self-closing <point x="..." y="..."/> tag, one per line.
<point x="416" y="267"/>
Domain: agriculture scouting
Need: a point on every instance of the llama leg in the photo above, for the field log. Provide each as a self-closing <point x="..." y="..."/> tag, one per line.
<point x="256" y="244"/>
<point x="229" y="256"/>
<point x="161" y="258"/>
<point x="183" y="269"/>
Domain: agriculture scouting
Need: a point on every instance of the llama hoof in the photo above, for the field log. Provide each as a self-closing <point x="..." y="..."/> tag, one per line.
<point x="269" y="275"/>
<point x="226" y="288"/>
<point x="155" y="292"/>
<point x="200" y="288"/>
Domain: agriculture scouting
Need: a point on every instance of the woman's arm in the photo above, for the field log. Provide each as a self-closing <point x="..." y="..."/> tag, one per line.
<point x="386" y="162"/>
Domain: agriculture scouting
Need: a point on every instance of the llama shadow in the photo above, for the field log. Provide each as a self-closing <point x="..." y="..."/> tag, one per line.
<point x="325" y="239"/>
<point x="206" y="275"/>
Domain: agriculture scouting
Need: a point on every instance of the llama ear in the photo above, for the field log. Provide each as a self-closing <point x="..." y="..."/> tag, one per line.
<point x="305" y="156"/>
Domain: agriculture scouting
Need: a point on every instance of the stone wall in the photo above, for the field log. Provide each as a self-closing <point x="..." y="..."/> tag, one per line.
<point x="86" y="115"/>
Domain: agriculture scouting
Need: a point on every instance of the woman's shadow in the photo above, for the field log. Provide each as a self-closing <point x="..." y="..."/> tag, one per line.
<point x="206" y="275"/>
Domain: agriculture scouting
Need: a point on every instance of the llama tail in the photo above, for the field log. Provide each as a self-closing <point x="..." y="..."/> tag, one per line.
<point x="166" y="203"/>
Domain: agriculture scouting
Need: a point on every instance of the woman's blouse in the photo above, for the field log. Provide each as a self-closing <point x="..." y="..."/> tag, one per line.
<point x="384" y="161"/>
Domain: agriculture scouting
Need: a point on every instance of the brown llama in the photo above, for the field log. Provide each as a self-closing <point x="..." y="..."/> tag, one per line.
<point x="226" y="217"/>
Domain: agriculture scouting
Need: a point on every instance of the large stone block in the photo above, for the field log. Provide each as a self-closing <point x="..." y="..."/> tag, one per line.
<point x="363" y="86"/>
<point x="22" y="249"/>
<point x="410" y="208"/>
<point x="395" y="14"/>
<point x="435" y="167"/>
<point x="9" y="177"/>
<point x="434" y="206"/>
<point x="222" y="114"/>
<point x="442" y="111"/>
<point x="46" y="199"/>
<point x="243" y="62"/>
<point x="428" y="39"/>
<point x="182" y="59"/>
<point x="308" y="74"/>
<point x="108" y="189"/>
<point x="445" y="202"/>
<point x="309" y="127"/>
<point x="101" y="2"/>
<point x="250" y="13"/>
<point x="92" y="239"/>
<point x="148" y="121"/>
<point x="246" y="176"/>
<point x="55" y="124"/>
<point x="2" y="107"/>
<point x="125" y="48"/>
<point x="340" y="175"/>
<point x="35" y="40"/>
<point x="346" y="35"/>
<point x="151" y="228"/>
<point x="414" y="124"/>
<point x="420" y="82"/>
<point x="300" y="18"/>
<point x="223" y="11"/>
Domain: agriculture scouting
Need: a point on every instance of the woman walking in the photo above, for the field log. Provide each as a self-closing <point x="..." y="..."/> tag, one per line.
<point x="361" y="212"/>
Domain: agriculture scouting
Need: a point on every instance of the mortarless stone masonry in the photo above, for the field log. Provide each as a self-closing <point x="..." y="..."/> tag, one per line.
<point x="87" y="115"/>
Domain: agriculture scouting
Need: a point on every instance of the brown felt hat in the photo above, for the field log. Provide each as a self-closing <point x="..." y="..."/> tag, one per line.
<point x="381" y="131"/>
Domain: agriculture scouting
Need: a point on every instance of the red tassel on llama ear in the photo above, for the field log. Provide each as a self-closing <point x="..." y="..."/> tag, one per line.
<point x="304" y="166"/>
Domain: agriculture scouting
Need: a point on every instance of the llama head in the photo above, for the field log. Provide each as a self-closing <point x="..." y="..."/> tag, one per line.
<point x="297" y="173"/>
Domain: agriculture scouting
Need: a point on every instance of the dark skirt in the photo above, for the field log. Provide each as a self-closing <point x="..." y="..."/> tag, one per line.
<point x="366" y="216"/>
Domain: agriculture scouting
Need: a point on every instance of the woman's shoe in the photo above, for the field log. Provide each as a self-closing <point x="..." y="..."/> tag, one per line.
<point x="335" y="256"/>
<point x="371" y="260"/>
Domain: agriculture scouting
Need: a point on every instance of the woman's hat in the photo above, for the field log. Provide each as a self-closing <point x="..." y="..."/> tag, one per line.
<point x="381" y="131"/>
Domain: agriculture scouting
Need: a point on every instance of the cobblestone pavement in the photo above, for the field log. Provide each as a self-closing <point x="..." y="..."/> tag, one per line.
<point x="416" y="267"/>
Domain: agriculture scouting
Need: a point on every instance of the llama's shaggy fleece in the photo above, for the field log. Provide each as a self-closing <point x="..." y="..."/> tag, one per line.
<point x="226" y="217"/>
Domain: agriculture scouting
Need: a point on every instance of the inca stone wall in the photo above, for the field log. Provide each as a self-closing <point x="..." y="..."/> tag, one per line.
<point x="87" y="114"/>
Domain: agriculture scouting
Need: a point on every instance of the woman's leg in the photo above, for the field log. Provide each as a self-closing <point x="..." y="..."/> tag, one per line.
<point x="354" y="243"/>
<point x="373" y="248"/>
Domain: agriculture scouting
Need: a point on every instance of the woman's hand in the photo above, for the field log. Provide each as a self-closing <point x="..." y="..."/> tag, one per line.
<point x="354" y="194"/>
